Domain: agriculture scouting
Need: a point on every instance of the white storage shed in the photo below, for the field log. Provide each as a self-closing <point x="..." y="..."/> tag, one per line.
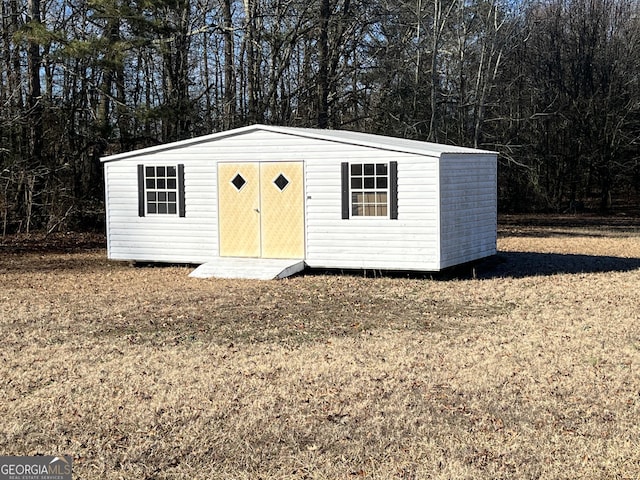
<point x="296" y="197"/>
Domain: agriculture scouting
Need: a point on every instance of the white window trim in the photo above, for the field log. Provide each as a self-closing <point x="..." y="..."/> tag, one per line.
<point x="375" y="189"/>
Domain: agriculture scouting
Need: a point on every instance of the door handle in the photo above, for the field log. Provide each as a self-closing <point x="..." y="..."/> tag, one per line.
<point x="256" y="210"/>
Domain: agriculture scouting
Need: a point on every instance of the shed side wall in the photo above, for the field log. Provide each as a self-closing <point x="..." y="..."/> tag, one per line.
<point x="161" y="238"/>
<point x="468" y="207"/>
<point x="410" y="242"/>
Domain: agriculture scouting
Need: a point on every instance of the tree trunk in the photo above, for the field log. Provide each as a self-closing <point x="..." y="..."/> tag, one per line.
<point x="252" y="67"/>
<point x="323" y="64"/>
<point x="34" y="97"/>
<point x="435" y="46"/>
<point x="229" y="75"/>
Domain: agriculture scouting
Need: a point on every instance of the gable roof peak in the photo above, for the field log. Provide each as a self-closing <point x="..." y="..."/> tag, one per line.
<point x="342" y="136"/>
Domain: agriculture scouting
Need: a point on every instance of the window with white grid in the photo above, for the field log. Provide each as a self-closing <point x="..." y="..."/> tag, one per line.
<point x="369" y="184"/>
<point x="161" y="185"/>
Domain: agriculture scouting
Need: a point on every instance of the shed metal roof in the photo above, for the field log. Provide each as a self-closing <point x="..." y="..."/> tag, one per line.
<point x="343" y="136"/>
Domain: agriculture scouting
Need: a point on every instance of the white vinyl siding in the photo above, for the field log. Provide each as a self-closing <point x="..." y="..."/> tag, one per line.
<point x="446" y="202"/>
<point x="160" y="238"/>
<point x="369" y="242"/>
<point x="468" y="208"/>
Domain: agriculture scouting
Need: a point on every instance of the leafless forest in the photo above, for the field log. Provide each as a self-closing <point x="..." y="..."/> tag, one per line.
<point x="550" y="84"/>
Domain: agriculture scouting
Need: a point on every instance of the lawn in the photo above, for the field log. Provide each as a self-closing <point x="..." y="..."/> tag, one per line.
<point x="524" y="366"/>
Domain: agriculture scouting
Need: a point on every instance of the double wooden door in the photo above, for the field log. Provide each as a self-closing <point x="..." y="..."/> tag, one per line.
<point x="261" y="209"/>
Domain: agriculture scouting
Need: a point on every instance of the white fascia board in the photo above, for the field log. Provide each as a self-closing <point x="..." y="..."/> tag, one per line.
<point x="382" y="142"/>
<point x="342" y="136"/>
<point x="180" y="143"/>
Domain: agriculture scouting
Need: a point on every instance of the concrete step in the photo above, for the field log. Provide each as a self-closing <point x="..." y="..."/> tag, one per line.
<point x="250" y="268"/>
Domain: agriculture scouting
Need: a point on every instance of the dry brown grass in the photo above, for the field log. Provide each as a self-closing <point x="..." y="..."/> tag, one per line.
<point x="527" y="367"/>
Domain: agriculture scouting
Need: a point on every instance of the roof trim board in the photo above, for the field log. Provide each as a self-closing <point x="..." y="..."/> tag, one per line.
<point x="342" y="136"/>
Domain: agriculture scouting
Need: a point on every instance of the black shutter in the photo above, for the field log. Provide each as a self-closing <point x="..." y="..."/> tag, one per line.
<point x="181" y="206"/>
<point x="345" y="190"/>
<point x="393" y="190"/>
<point x="141" y="191"/>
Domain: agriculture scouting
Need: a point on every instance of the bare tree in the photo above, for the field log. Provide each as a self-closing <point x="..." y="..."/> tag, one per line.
<point x="229" y="67"/>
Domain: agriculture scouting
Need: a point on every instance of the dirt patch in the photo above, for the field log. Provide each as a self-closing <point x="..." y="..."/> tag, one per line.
<point x="67" y="242"/>
<point x="583" y="225"/>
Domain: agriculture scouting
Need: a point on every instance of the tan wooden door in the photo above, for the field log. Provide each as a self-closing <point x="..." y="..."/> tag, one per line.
<point x="239" y="209"/>
<point x="261" y="210"/>
<point x="282" y="210"/>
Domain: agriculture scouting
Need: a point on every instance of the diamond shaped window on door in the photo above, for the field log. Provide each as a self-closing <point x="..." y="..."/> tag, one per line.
<point x="238" y="181"/>
<point x="281" y="182"/>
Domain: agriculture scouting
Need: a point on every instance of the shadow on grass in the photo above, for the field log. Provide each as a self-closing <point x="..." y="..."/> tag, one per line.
<point x="550" y="233"/>
<point x="529" y="264"/>
<point x="507" y="265"/>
